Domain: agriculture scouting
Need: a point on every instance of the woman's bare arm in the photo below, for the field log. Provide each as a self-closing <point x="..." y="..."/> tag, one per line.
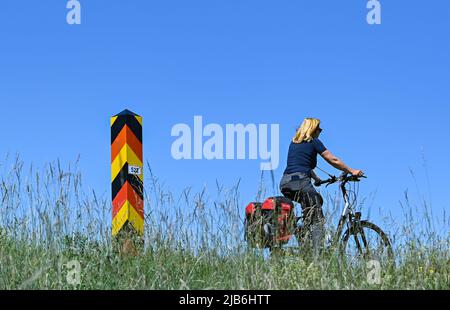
<point x="339" y="164"/>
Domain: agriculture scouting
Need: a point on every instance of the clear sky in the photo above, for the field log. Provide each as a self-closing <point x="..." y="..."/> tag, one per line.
<point x="382" y="92"/>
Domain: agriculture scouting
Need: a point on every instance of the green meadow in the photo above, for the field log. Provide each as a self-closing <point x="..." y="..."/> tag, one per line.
<point x="56" y="234"/>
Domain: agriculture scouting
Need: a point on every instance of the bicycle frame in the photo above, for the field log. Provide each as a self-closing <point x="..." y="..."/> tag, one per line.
<point x="348" y="208"/>
<point x="348" y="215"/>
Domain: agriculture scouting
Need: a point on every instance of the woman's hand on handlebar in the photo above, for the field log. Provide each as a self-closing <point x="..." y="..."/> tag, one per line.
<point x="356" y="172"/>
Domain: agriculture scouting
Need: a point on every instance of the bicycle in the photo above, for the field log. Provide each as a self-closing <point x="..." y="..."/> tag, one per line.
<point x="360" y="239"/>
<point x="363" y="233"/>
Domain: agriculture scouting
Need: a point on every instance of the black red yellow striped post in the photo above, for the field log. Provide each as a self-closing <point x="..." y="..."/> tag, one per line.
<point x="127" y="172"/>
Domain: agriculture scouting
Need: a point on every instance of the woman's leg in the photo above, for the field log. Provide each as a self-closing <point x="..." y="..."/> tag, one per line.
<point x="303" y="192"/>
<point x="313" y="217"/>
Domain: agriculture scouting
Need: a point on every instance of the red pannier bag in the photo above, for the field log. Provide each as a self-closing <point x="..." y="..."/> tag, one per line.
<point x="270" y="223"/>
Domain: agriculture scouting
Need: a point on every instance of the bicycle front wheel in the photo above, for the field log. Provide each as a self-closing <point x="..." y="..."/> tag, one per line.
<point x="366" y="241"/>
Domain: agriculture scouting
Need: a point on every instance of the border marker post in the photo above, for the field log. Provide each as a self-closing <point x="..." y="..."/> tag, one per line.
<point x="127" y="178"/>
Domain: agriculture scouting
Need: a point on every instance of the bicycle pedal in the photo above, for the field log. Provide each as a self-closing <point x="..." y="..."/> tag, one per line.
<point x="358" y="216"/>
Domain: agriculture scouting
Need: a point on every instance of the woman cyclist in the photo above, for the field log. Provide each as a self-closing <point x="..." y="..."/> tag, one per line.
<point x="296" y="181"/>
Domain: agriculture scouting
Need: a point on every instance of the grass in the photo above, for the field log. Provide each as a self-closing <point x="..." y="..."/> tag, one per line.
<point x="192" y="241"/>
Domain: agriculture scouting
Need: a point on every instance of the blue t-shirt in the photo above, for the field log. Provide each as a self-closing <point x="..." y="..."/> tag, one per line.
<point x="302" y="157"/>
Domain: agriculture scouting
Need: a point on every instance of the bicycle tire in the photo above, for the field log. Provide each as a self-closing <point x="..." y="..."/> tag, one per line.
<point x="357" y="231"/>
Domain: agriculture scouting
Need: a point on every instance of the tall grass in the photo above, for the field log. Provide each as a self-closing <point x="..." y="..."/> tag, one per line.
<point x="192" y="241"/>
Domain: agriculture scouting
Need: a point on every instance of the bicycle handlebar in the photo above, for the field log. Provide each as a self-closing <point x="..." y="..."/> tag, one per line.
<point x="344" y="178"/>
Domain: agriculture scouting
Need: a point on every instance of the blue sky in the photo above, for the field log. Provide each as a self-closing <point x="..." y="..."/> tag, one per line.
<point x="382" y="92"/>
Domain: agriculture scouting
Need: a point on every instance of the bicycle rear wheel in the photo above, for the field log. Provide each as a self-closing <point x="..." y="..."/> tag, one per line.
<point x="366" y="241"/>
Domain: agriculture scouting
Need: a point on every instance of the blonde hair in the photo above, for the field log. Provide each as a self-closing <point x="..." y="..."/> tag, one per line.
<point x="307" y="130"/>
